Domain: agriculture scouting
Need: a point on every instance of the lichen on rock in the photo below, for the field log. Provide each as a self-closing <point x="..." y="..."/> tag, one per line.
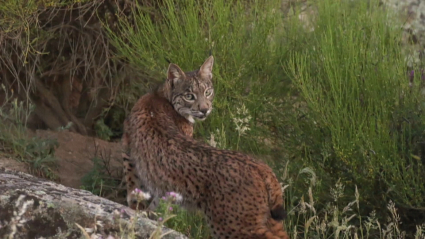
<point x="36" y="208"/>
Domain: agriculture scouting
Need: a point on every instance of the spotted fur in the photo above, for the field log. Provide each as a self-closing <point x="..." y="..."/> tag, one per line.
<point x="191" y="94"/>
<point x="240" y="197"/>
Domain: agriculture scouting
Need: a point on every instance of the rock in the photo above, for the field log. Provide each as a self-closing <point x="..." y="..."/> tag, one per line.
<point x="413" y="17"/>
<point x="31" y="207"/>
<point x="412" y="20"/>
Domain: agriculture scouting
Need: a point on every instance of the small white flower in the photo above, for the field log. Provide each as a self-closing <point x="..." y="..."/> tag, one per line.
<point x="212" y="141"/>
<point x="176" y="197"/>
<point x="242" y="119"/>
<point x="338" y="191"/>
<point x="141" y="195"/>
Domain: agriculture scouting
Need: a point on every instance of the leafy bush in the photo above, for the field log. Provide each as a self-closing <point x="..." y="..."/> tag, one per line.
<point x="103" y="180"/>
<point x="367" y="120"/>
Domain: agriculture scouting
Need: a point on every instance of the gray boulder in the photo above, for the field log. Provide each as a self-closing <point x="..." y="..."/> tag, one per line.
<point x="31" y="207"/>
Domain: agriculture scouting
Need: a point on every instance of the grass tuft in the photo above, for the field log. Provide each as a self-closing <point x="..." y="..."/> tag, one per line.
<point x="36" y="153"/>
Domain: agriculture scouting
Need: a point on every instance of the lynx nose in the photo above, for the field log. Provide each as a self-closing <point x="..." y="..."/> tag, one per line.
<point x="204" y="111"/>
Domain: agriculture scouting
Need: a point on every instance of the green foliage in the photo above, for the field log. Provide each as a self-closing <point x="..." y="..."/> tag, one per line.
<point x="102" y="130"/>
<point x="191" y="224"/>
<point x="352" y="77"/>
<point x="343" y="215"/>
<point x="20" y="17"/>
<point x="109" y="124"/>
<point x="101" y="180"/>
<point x="37" y="153"/>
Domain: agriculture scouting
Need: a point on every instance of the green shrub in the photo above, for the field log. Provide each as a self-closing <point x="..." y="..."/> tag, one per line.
<point x="37" y="153"/>
<point x="102" y="130"/>
<point x="362" y="122"/>
<point x="102" y="180"/>
<point x="191" y="224"/>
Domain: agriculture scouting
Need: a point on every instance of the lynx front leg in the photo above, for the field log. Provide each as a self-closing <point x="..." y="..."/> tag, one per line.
<point x="136" y="198"/>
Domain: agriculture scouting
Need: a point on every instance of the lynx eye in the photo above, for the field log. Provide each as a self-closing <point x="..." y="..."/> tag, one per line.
<point x="208" y="92"/>
<point x="189" y="97"/>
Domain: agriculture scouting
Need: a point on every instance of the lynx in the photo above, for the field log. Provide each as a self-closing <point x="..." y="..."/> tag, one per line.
<point x="195" y="85"/>
<point x="240" y="197"/>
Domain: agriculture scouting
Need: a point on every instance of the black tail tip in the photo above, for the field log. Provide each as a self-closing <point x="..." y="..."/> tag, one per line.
<point x="278" y="213"/>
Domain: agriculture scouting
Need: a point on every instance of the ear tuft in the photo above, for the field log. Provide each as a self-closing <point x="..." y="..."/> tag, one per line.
<point x="174" y="73"/>
<point x="206" y="69"/>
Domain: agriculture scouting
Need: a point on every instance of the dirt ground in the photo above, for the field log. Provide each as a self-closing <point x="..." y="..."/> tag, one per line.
<point x="10" y="163"/>
<point x="74" y="155"/>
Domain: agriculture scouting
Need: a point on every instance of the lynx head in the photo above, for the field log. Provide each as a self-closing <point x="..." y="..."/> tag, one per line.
<point x="191" y="93"/>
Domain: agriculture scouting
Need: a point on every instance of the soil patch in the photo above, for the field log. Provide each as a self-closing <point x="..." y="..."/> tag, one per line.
<point x="75" y="154"/>
<point x="13" y="164"/>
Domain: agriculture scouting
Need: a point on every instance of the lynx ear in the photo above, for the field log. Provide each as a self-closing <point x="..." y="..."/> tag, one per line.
<point x="206" y="69"/>
<point x="175" y="73"/>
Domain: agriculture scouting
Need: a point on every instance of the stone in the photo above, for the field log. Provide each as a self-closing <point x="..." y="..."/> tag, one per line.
<point x="32" y="207"/>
